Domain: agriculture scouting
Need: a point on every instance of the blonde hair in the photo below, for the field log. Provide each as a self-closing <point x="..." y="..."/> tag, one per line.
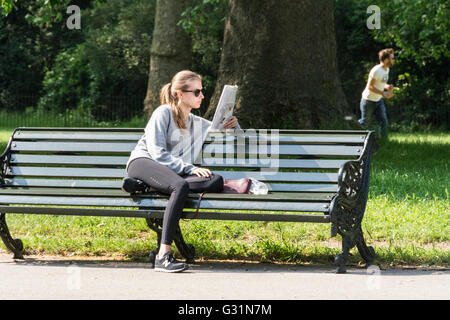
<point x="168" y="94"/>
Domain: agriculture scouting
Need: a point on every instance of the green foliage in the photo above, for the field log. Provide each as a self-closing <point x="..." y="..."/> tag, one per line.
<point x="67" y="82"/>
<point x="106" y="73"/>
<point x="418" y="28"/>
<point x="47" y="13"/>
<point x="28" y="50"/>
<point x="204" y="21"/>
<point x="7" y="6"/>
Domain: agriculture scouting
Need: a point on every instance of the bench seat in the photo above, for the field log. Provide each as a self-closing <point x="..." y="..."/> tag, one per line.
<point x="312" y="176"/>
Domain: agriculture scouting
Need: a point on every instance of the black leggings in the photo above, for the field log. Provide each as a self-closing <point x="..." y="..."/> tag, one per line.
<point x="167" y="181"/>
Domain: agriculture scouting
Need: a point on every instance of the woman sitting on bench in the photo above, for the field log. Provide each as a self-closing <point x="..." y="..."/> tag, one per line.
<point x="164" y="156"/>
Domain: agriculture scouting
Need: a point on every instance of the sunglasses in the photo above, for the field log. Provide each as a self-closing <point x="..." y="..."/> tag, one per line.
<point x="196" y="92"/>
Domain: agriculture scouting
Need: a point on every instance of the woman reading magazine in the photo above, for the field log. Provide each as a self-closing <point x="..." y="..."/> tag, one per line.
<point x="163" y="158"/>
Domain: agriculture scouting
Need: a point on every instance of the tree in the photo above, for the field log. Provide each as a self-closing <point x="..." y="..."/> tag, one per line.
<point x="170" y="50"/>
<point x="282" y="55"/>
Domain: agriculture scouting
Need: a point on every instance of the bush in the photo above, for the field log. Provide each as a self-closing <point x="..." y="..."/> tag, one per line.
<point x="107" y="73"/>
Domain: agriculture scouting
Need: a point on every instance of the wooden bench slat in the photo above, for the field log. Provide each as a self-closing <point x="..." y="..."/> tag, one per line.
<point x="283" y="136"/>
<point x="281" y="176"/>
<point x="158" y="214"/>
<point x="286" y="139"/>
<point x="271" y="163"/>
<point x="50" y="146"/>
<point x="116" y="184"/>
<point x="208" y="150"/>
<point x="120" y="173"/>
<point x="162" y="203"/>
<point x="68" y="160"/>
<point x="302" y="187"/>
<point x="275" y="196"/>
<point x="18" y="158"/>
<point x="74" y="135"/>
<point x="212" y="138"/>
<point x="310" y="150"/>
<point x="63" y="183"/>
<point x="67" y="172"/>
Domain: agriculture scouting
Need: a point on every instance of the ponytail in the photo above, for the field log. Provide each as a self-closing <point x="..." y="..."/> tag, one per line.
<point x="166" y="96"/>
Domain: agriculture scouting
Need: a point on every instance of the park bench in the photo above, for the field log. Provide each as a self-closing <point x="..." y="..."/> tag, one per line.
<point x="312" y="176"/>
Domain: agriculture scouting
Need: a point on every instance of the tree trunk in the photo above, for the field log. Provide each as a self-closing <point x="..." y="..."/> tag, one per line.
<point x="282" y="55"/>
<point x="170" y="50"/>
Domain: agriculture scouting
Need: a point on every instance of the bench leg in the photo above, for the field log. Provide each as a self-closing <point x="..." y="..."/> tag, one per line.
<point x="366" y="252"/>
<point x="155" y="225"/>
<point x="14" y="245"/>
<point x="349" y="240"/>
<point x="187" y="250"/>
<point x="341" y="259"/>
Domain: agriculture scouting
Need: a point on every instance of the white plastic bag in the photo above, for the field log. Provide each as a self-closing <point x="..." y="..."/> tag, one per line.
<point x="258" y="187"/>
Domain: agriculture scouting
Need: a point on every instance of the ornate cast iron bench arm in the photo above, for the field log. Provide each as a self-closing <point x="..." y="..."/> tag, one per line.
<point x="348" y="206"/>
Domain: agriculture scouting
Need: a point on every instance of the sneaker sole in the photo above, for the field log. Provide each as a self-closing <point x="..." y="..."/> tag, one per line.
<point x="171" y="271"/>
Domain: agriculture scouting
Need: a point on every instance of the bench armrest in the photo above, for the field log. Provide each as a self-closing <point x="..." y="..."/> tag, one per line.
<point x="348" y="206"/>
<point x="353" y="176"/>
<point x="4" y="158"/>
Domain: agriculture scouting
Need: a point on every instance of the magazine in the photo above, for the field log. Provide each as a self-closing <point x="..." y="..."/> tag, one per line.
<point x="225" y="107"/>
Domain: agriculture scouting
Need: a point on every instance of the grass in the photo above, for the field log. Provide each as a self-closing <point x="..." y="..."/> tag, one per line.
<point x="406" y="220"/>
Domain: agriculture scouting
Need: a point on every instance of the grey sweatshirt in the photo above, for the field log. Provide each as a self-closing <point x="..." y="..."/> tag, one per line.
<point x="169" y="145"/>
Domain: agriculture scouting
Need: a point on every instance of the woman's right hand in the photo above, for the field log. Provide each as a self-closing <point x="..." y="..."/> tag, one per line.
<point x="202" y="172"/>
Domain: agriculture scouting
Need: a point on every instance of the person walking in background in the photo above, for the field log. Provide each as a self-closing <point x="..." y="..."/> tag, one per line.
<point x="372" y="96"/>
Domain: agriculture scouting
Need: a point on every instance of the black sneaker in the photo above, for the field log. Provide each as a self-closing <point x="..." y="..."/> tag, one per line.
<point x="168" y="264"/>
<point x="133" y="186"/>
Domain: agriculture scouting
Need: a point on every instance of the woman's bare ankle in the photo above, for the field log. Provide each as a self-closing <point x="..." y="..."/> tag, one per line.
<point x="163" y="249"/>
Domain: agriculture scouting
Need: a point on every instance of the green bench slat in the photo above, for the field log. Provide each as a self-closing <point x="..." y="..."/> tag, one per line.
<point x="116" y="184"/>
<point x="50" y="146"/>
<point x="65" y="160"/>
<point x="162" y="203"/>
<point x="120" y="173"/>
<point x="302" y="187"/>
<point x="275" y="196"/>
<point x="285" y="217"/>
<point x="67" y="172"/>
<point x="286" y="139"/>
<point x="209" y="149"/>
<point x="272" y="162"/>
<point x="310" y="150"/>
<point x="281" y="176"/>
<point x="270" y="138"/>
<point x="206" y="162"/>
<point x="294" y="136"/>
<point x="67" y="135"/>
<point x="64" y="183"/>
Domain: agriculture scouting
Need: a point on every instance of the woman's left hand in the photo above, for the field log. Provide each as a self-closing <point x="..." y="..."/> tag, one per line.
<point x="231" y="123"/>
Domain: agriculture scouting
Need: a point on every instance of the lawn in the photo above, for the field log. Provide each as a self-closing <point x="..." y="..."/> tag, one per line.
<point x="406" y="220"/>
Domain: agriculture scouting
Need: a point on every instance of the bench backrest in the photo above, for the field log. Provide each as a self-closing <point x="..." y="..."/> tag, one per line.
<point x="287" y="160"/>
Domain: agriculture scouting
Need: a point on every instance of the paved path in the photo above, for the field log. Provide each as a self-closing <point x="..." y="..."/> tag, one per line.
<point x="60" y="278"/>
